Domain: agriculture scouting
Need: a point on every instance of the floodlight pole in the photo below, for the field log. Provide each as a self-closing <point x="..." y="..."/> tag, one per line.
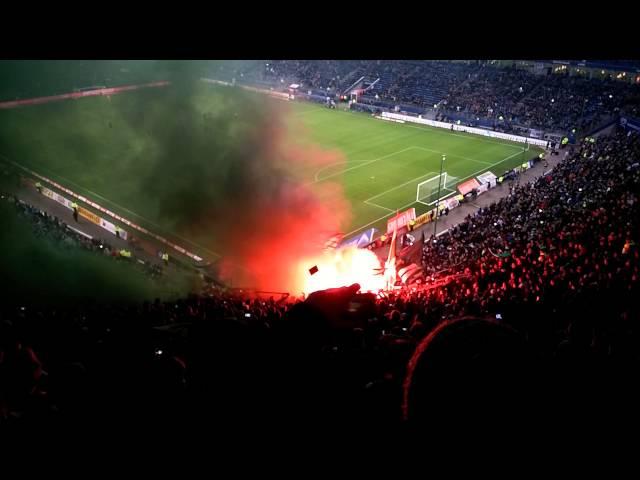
<point x="435" y="223"/>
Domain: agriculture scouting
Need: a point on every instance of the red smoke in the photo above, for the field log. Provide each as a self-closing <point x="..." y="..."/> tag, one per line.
<point x="282" y="228"/>
<point x="251" y="185"/>
<point x="284" y="231"/>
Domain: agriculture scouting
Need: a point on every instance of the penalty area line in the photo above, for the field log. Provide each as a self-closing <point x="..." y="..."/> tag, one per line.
<point x="362" y="164"/>
<point x="399" y="186"/>
<point x="379" y="206"/>
<point x="413" y="202"/>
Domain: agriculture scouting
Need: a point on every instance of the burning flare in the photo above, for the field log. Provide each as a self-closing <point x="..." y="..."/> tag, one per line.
<point x="342" y="267"/>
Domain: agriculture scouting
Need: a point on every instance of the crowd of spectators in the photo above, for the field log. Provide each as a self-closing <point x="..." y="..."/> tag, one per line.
<point x="491" y="92"/>
<point x="424" y="83"/>
<point x="506" y="97"/>
<point x="564" y="102"/>
<point x="566" y="242"/>
<point x="479" y="90"/>
<point x="27" y="78"/>
<point x="551" y="270"/>
<point x="54" y="230"/>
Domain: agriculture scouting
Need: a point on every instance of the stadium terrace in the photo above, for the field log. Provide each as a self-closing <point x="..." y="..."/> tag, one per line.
<point x="327" y="243"/>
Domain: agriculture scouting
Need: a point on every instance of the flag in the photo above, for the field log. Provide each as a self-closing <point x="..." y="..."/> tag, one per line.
<point x="334" y="241"/>
<point x="390" y="264"/>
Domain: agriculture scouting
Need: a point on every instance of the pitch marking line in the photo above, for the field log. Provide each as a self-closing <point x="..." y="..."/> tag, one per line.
<point x="474" y="136"/>
<point x="316" y="179"/>
<point x="362" y="164"/>
<point x="396" y="187"/>
<point x="126" y="210"/>
<point x="454" y="156"/>
<point x="411" y="203"/>
<point x="379" y="206"/>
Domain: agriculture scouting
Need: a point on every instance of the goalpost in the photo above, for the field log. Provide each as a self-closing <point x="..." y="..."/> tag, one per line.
<point x="427" y="191"/>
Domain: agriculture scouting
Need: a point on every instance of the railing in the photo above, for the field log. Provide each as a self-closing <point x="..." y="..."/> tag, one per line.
<point x="353" y="85"/>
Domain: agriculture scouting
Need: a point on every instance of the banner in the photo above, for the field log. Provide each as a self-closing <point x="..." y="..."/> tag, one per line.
<point x="462" y="128"/>
<point x="409" y="273"/>
<point x="422" y="219"/>
<point x="482" y="188"/>
<point x="466" y="187"/>
<point x="533" y="133"/>
<point x="111" y="214"/>
<point x="389" y="119"/>
<point x="83" y="212"/>
<point x="92" y="217"/>
<point x="112" y="228"/>
<point x="271" y="93"/>
<point x="487" y="177"/>
<point x="401" y="220"/>
<point x="452" y="203"/>
<point x="630" y="123"/>
<point x="74" y="95"/>
<point x="361" y="240"/>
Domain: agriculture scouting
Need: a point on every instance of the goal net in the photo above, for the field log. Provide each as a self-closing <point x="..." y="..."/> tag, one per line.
<point x="427" y="191"/>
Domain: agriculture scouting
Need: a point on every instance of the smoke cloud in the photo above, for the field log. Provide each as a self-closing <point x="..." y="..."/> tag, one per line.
<point x="228" y="167"/>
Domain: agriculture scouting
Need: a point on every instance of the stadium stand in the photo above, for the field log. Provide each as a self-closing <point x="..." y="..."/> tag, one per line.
<point x="26" y="79"/>
<point x="530" y="309"/>
<point x="477" y="93"/>
<point x="554" y="265"/>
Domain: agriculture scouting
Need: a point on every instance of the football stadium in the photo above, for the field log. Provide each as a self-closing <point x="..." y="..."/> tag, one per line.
<point x="414" y="233"/>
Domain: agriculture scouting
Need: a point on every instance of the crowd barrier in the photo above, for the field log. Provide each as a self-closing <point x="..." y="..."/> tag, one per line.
<point x="83" y="212"/>
<point x="100" y="208"/>
<point x="462" y="128"/>
<point x="75" y="95"/>
<point x="271" y="93"/>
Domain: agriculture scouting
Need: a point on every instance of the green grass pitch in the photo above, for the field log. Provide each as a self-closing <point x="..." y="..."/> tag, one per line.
<point x="72" y="143"/>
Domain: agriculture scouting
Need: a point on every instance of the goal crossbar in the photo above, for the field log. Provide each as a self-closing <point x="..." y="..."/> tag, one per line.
<point x="427" y="191"/>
